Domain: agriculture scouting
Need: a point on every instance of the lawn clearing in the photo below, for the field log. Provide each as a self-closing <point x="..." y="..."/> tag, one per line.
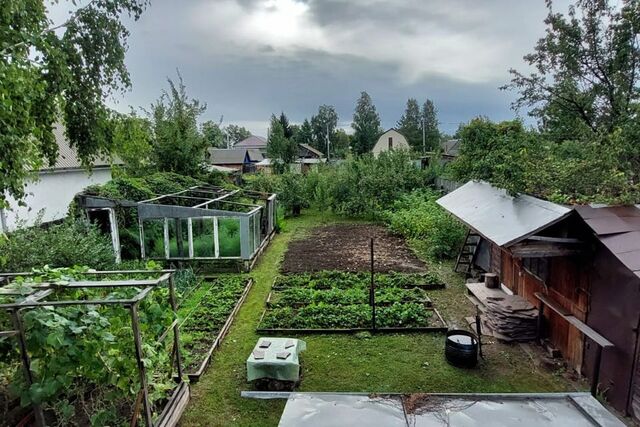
<point x="346" y="247"/>
<point x="412" y="362"/>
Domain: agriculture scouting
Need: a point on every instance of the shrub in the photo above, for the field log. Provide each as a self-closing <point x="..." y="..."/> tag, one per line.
<point x="72" y="242"/>
<point x="418" y="217"/>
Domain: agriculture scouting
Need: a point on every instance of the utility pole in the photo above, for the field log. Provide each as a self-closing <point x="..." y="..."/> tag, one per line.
<point x="424" y="145"/>
<point x="328" y="147"/>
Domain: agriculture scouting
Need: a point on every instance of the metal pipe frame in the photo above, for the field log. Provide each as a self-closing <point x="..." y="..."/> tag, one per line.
<point x="34" y="300"/>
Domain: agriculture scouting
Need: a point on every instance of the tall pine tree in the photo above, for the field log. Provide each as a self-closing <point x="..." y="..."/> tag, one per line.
<point x="410" y="124"/>
<point x="305" y="133"/>
<point x="431" y="132"/>
<point x="281" y="150"/>
<point x="366" y="124"/>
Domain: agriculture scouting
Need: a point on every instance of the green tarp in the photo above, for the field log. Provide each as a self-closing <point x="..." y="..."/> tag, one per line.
<point x="270" y="362"/>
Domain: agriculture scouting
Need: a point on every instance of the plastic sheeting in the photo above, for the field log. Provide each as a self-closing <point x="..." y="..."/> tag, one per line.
<point x="335" y="410"/>
<point x="269" y="365"/>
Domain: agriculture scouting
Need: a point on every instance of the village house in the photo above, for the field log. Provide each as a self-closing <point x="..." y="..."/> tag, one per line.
<point x="580" y="265"/>
<point x="253" y="142"/>
<point x="241" y="159"/>
<point x="390" y="140"/>
<point x="54" y="187"/>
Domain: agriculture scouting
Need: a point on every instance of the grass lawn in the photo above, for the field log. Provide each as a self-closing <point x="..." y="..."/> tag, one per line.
<point x="382" y="363"/>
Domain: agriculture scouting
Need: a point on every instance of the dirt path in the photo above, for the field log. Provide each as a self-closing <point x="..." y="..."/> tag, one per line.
<point x="346" y="247"/>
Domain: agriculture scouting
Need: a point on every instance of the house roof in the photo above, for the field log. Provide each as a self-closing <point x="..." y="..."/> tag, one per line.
<point x="233" y="156"/>
<point x="311" y="149"/>
<point x="451" y="147"/>
<point x="68" y="156"/>
<point x="499" y="217"/>
<point x="618" y="228"/>
<point x="253" y="141"/>
<point x="389" y="130"/>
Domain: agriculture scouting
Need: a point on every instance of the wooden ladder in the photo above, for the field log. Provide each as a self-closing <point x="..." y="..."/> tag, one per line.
<point x="468" y="251"/>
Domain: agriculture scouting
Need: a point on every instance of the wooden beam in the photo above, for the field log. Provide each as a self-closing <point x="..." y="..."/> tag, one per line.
<point x="555" y="239"/>
<point x="580" y="325"/>
<point x="544" y="250"/>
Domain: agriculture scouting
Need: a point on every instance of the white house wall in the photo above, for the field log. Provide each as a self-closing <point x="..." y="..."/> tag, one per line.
<point x="399" y="142"/>
<point x="52" y="192"/>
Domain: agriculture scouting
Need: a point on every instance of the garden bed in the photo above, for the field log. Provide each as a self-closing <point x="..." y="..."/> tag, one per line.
<point x="340" y="302"/>
<point x="208" y="315"/>
<point x="346" y="247"/>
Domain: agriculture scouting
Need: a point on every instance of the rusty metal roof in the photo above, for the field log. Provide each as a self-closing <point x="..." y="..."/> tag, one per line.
<point x="499" y="217"/>
<point x="618" y="228"/>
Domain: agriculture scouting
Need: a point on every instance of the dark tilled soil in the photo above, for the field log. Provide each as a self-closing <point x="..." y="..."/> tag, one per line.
<point x="346" y="247"/>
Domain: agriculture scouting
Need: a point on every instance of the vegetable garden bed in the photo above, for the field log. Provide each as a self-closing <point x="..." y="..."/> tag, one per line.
<point x="334" y="302"/>
<point x="208" y="315"/>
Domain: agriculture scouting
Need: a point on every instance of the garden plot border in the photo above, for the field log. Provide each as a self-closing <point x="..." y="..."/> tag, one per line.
<point x="195" y="376"/>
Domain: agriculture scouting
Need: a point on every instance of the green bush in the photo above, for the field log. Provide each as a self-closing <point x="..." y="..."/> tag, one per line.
<point x="418" y="217"/>
<point x="73" y="242"/>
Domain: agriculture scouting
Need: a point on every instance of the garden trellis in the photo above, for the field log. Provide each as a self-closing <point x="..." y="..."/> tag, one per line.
<point x="199" y="223"/>
<point x="41" y="295"/>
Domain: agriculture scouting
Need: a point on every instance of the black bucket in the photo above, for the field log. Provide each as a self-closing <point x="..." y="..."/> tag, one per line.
<point x="461" y="348"/>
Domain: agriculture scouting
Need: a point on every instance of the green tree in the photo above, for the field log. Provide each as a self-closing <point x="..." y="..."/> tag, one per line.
<point x="178" y="145"/>
<point x="366" y="125"/>
<point x="341" y="144"/>
<point x="51" y="73"/>
<point x="235" y="133"/>
<point x="305" y="134"/>
<point x="430" y="121"/>
<point x="281" y="150"/>
<point x="410" y="124"/>
<point x="132" y="143"/>
<point x="585" y="70"/>
<point x="286" y="127"/>
<point x="324" y="123"/>
<point x="213" y="135"/>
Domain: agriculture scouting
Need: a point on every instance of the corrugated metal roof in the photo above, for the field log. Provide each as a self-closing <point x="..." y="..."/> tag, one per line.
<point x="252" y="141"/>
<point x="67" y="156"/>
<point x="255" y="155"/>
<point x="618" y="228"/>
<point x="224" y="156"/>
<point x="451" y="147"/>
<point x="499" y="217"/>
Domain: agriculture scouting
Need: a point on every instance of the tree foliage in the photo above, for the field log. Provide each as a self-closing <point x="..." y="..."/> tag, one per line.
<point x="410" y="124"/>
<point x="132" y="143"/>
<point x="51" y="73"/>
<point x="431" y="131"/>
<point x="585" y="70"/>
<point x="235" y="133"/>
<point x="281" y="150"/>
<point x="324" y="124"/>
<point x="305" y="134"/>
<point x="366" y="125"/>
<point x="213" y="135"/>
<point x="178" y="145"/>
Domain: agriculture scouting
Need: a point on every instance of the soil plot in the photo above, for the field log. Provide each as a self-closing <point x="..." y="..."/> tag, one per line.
<point x="346" y="247"/>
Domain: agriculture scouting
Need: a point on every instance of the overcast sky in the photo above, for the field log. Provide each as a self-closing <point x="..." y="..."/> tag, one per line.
<point x="249" y="58"/>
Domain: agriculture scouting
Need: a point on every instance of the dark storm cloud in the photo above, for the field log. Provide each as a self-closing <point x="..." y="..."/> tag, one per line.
<point x="250" y="58"/>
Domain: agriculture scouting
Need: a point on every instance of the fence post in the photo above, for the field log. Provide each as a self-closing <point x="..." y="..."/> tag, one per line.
<point x="372" y="290"/>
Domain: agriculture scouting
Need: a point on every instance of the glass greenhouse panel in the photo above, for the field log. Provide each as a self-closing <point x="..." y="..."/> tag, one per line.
<point x="153" y="238"/>
<point x="178" y="238"/>
<point x="203" y="237"/>
<point x="229" y="236"/>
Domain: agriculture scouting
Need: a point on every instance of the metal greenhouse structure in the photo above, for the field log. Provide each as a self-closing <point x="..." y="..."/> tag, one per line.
<point x="199" y="223"/>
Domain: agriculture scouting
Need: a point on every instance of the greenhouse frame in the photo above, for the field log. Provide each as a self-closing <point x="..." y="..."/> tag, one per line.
<point x="199" y="223"/>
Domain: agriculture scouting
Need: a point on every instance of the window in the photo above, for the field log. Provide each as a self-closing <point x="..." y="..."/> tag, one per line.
<point x="539" y="267"/>
<point x="390" y="143"/>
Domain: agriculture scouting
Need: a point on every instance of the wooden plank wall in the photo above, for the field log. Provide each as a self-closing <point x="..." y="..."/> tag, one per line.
<point x="567" y="286"/>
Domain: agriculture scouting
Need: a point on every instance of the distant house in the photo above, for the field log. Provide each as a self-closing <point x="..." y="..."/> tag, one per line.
<point x="55" y="186"/>
<point x="450" y="150"/>
<point x="308" y="152"/>
<point x="241" y="159"/>
<point x="253" y="142"/>
<point x="390" y="140"/>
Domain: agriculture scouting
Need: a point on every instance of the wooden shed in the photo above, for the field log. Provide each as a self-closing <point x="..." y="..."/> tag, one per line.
<point x="580" y="265"/>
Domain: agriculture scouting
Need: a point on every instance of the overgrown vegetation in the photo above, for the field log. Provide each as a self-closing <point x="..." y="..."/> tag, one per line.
<point x="72" y="242"/>
<point x="418" y="217"/>
<point x="82" y="357"/>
